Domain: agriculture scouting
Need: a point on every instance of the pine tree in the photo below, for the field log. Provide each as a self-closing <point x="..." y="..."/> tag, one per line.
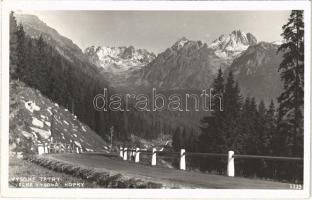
<point x="28" y="71"/>
<point x="232" y="107"/>
<point x="261" y="129"/>
<point x="21" y="52"/>
<point x="218" y="90"/>
<point x="176" y="143"/>
<point x="245" y="126"/>
<point x="270" y="124"/>
<point x="292" y="74"/>
<point x="42" y="70"/>
<point x="212" y="138"/>
<point x="13" y="46"/>
<point x="183" y="139"/>
<point x="273" y="139"/>
<point x="219" y="130"/>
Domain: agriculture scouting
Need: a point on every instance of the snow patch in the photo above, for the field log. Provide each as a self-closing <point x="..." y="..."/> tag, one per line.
<point x="182" y="43"/>
<point x="221" y="54"/>
<point x="66" y="122"/>
<point x="277" y="42"/>
<point x="83" y="128"/>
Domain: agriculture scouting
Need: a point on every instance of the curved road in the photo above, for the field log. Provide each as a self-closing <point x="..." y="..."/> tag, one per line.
<point x="168" y="177"/>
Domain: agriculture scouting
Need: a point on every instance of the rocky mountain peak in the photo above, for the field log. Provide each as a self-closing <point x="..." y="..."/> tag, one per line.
<point x="231" y="45"/>
<point x="251" y="39"/>
<point x="180" y="43"/>
<point x="118" y="59"/>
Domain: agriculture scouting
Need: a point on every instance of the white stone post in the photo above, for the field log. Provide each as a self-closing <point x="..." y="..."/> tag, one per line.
<point x="40" y="149"/>
<point x="137" y="155"/>
<point x="182" y="159"/>
<point x="125" y="154"/>
<point x="121" y="152"/>
<point x="230" y="165"/>
<point x="154" y="157"/>
<point x="46" y="148"/>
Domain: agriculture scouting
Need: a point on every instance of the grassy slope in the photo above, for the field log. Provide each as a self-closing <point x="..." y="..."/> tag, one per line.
<point x="22" y="169"/>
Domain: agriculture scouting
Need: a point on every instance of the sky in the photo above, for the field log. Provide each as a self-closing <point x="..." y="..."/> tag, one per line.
<point x="158" y="30"/>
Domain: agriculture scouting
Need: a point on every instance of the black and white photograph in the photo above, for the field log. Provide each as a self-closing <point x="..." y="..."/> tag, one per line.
<point x="157" y="99"/>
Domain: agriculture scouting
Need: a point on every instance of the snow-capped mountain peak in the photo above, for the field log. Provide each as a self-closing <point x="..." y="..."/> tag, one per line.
<point x="180" y="43"/>
<point x="277" y="42"/>
<point x="232" y="44"/>
<point x="119" y="59"/>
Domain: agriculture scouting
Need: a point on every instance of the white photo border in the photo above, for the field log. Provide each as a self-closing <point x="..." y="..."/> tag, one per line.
<point x="30" y="5"/>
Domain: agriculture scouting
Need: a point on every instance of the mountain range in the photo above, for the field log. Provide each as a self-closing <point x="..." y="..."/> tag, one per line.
<point x="117" y="63"/>
<point x="119" y="59"/>
<point x="186" y="64"/>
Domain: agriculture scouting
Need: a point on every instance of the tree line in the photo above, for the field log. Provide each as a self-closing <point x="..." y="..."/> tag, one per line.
<point x="248" y="127"/>
<point x="73" y="83"/>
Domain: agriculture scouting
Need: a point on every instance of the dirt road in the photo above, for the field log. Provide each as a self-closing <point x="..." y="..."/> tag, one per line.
<point x="187" y="179"/>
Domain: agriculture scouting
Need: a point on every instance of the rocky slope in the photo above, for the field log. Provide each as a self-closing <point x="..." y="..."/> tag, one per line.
<point x="34" y="119"/>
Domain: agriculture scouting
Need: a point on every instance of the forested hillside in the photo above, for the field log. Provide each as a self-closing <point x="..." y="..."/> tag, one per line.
<point x="70" y="83"/>
<point x="254" y="129"/>
<point x="73" y="83"/>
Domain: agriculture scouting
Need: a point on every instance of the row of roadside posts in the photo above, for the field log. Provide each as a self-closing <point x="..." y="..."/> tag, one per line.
<point x="127" y="154"/>
<point x="45" y="148"/>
